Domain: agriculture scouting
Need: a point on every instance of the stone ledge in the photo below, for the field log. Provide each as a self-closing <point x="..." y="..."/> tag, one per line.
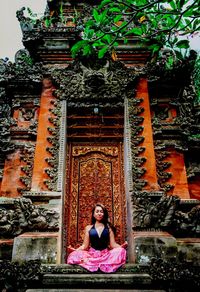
<point x="38" y="234"/>
<point x="89" y="290"/>
<point x="96" y="280"/>
<point x="6" y="241"/>
<point x="75" y="269"/>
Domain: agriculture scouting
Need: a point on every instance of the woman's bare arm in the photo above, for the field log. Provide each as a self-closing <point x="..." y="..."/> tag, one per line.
<point x="113" y="243"/>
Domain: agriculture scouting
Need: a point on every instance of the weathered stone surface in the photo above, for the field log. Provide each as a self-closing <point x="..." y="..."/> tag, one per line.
<point x="35" y="246"/>
<point x="89" y="290"/>
<point x="95" y="80"/>
<point x="189" y="250"/>
<point x="24" y="217"/>
<point x="96" y="280"/>
<point x="148" y="245"/>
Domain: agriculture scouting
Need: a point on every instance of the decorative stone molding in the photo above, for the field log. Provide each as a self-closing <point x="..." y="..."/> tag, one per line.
<point x="164" y="213"/>
<point x="27" y="157"/>
<point x="185" y="105"/>
<point x="193" y="169"/>
<point x="161" y="167"/>
<point x="53" y="161"/>
<point x="20" y="101"/>
<point x="165" y="143"/>
<point x="136" y="129"/>
<point x="1" y="174"/>
<point x="23" y="216"/>
<point x="22" y="69"/>
<point x="32" y="29"/>
<point x="103" y="81"/>
<point x="185" y="126"/>
<point x="27" y="114"/>
<point x="5" y="122"/>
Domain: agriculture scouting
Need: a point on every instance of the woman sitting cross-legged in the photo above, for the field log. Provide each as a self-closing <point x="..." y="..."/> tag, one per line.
<point x="99" y="249"/>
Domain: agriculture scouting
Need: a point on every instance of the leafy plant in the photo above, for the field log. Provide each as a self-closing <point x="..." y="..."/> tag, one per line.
<point x="155" y="23"/>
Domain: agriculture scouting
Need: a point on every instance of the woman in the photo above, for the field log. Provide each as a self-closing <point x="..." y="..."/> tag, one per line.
<point x="99" y="249"/>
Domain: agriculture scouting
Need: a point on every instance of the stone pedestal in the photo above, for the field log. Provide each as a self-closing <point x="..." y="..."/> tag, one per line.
<point x="148" y="245"/>
<point x="34" y="245"/>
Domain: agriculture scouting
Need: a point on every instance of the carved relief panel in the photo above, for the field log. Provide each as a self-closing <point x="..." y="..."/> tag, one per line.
<point x="95" y="174"/>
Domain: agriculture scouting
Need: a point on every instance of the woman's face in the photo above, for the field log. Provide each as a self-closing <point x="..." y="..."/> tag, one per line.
<point x="98" y="213"/>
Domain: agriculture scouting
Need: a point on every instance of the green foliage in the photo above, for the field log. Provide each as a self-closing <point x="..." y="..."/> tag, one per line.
<point x="183" y="44"/>
<point x="155" y="23"/>
<point x="27" y="59"/>
<point x="197" y="136"/>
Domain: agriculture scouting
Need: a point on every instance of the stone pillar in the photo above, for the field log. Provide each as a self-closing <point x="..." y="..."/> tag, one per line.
<point x="46" y="104"/>
<point x="128" y="180"/>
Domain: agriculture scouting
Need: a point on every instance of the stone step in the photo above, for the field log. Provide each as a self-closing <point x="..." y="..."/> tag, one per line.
<point x="92" y="290"/>
<point x="94" y="280"/>
<point x="75" y="269"/>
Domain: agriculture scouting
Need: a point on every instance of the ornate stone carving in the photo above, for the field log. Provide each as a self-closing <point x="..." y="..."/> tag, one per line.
<point x="185" y="105"/>
<point x="53" y="161"/>
<point x="164" y="213"/>
<point x="98" y="80"/>
<point x="22" y="69"/>
<point x="177" y="144"/>
<point x="174" y="272"/>
<point x="161" y="167"/>
<point x="27" y="157"/>
<point x="33" y="29"/>
<point x="5" y="123"/>
<point x="15" y="276"/>
<point x="136" y="129"/>
<point x="1" y="174"/>
<point x="27" y="114"/>
<point x="180" y="72"/>
<point x="193" y="169"/>
<point x="24" y="216"/>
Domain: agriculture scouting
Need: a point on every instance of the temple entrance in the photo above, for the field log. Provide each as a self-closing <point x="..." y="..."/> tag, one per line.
<point x="95" y="173"/>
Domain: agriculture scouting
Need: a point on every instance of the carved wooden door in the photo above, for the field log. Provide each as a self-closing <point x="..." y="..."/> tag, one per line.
<point x="95" y="174"/>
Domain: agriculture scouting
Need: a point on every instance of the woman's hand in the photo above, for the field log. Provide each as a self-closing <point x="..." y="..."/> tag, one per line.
<point x="125" y="244"/>
<point x="70" y="249"/>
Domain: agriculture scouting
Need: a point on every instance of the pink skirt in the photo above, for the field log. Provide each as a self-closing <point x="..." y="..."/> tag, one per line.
<point x="106" y="260"/>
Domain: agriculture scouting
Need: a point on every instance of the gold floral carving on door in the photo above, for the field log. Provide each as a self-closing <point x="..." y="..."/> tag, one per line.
<point x="95" y="174"/>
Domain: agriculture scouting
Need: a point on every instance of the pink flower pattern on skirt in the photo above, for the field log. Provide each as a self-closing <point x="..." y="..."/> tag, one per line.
<point x="108" y="261"/>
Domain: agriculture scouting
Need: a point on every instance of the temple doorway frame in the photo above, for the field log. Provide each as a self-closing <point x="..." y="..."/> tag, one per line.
<point x="128" y="184"/>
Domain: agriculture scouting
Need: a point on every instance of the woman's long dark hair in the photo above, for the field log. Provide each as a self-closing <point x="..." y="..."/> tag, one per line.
<point x="105" y="219"/>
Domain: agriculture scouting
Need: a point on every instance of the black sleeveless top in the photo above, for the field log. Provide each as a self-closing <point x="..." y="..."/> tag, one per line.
<point x="99" y="242"/>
